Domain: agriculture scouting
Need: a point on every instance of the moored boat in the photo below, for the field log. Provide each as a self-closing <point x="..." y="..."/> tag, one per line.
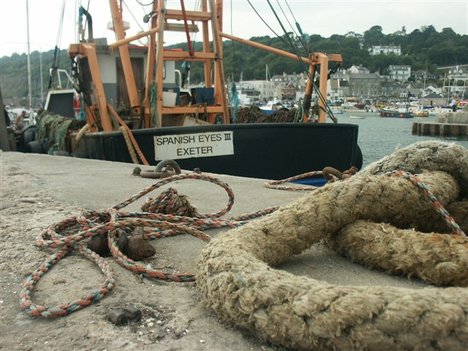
<point x="254" y="150"/>
<point x="337" y="110"/>
<point x="395" y="113"/>
<point x="421" y="113"/>
<point x="193" y="126"/>
<point x="271" y="106"/>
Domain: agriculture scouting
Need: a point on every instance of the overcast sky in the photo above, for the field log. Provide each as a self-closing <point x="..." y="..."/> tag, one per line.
<point x="315" y="17"/>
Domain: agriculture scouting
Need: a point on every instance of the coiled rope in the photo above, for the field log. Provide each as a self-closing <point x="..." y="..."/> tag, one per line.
<point x="64" y="309"/>
<point x="235" y="271"/>
<point x="69" y="235"/>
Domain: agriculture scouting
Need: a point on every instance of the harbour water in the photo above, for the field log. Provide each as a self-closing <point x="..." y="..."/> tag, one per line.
<point x="379" y="137"/>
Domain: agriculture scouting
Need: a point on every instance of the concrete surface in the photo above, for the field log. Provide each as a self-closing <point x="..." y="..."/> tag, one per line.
<point x="38" y="190"/>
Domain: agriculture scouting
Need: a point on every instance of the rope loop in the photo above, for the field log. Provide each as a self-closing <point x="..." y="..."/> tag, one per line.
<point x="65" y="309"/>
<point x="198" y="176"/>
<point x="167" y="215"/>
<point x="372" y="219"/>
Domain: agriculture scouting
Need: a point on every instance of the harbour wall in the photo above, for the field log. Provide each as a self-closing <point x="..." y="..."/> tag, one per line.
<point x="447" y="124"/>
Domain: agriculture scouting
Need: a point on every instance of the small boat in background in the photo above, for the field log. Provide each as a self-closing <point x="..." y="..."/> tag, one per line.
<point x="421" y="113"/>
<point x="337" y="110"/>
<point x="271" y="106"/>
<point x="395" y="113"/>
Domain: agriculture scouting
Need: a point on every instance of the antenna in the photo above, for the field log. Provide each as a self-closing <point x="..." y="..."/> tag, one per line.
<point x="29" y="57"/>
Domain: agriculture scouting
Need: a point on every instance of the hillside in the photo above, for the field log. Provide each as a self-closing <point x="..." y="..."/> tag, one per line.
<point x="14" y="75"/>
<point x="422" y="49"/>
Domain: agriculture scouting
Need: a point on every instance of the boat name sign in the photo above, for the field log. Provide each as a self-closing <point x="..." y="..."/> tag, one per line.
<point x="180" y="146"/>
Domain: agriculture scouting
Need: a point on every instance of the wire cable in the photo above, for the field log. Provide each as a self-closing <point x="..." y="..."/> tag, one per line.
<point x="281" y="25"/>
<point x="261" y="18"/>
<point x="141" y="4"/>
<point x="295" y="50"/>
<point x="299" y="36"/>
<point x="234" y="57"/>
<point x="133" y="16"/>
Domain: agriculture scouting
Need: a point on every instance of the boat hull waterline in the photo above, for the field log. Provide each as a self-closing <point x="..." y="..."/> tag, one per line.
<point x="263" y="150"/>
<point x="396" y="114"/>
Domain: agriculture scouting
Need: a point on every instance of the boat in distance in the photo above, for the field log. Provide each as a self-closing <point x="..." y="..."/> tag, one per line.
<point x="395" y="113"/>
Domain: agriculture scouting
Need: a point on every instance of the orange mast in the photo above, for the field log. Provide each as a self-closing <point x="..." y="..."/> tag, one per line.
<point x="162" y="19"/>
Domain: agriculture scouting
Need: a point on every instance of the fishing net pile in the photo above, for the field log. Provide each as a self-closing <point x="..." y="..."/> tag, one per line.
<point x="253" y="114"/>
<point x="375" y="218"/>
<point x="53" y="130"/>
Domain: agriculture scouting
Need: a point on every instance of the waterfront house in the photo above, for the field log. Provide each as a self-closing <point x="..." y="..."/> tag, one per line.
<point x="385" y="50"/>
<point x="364" y="84"/>
<point x="399" y="72"/>
<point x="433" y="99"/>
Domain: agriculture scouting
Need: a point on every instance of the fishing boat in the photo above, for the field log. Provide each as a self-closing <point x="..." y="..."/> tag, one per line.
<point x="167" y="120"/>
<point x="421" y="113"/>
<point x="337" y="110"/>
<point x="395" y="113"/>
<point x="271" y="106"/>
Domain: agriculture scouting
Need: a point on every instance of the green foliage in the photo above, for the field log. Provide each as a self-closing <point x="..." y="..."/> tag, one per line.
<point x="14" y="75"/>
<point x="422" y="49"/>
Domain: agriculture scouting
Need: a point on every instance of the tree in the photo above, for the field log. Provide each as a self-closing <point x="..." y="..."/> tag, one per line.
<point x="373" y="36"/>
<point x="422" y="49"/>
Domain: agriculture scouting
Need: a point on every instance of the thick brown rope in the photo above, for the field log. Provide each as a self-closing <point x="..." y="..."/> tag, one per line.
<point x="130" y="134"/>
<point x="236" y="277"/>
<point x="130" y="148"/>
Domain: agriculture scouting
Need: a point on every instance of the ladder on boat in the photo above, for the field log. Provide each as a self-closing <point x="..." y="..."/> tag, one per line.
<point x="162" y="21"/>
<point x="212" y="58"/>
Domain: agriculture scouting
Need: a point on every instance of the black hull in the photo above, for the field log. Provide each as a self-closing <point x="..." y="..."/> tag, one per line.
<point x="396" y="114"/>
<point x="269" y="151"/>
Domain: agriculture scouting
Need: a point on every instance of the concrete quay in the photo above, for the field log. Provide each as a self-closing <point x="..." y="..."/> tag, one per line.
<point x="39" y="190"/>
<point x="451" y="124"/>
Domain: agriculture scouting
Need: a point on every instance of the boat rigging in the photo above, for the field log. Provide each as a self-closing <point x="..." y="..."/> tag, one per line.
<point x="130" y="95"/>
